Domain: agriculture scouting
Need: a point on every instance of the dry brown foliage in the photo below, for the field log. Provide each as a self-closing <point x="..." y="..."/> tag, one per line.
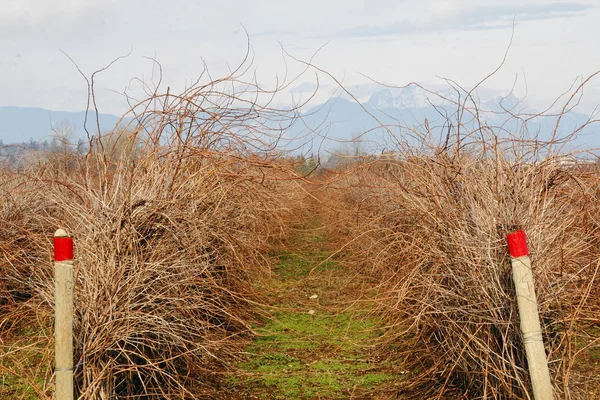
<point x="430" y="223"/>
<point x="172" y="214"/>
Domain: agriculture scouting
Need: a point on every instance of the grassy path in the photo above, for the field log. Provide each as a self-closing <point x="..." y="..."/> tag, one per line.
<point x="319" y="343"/>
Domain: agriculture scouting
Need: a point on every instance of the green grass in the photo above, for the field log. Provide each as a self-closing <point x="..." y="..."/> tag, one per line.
<point x="288" y="377"/>
<point x="273" y="362"/>
<point x="15" y="387"/>
<point x="22" y="368"/>
<point x="295" y="265"/>
<point x="288" y="331"/>
<point x="298" y="355"/>
<point x="371" y="380"/>
<point x="589" y="347"/>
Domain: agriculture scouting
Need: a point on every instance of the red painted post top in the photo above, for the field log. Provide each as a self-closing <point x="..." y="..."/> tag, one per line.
<point x="63" y="246"/>
<point x="517" y="244"/>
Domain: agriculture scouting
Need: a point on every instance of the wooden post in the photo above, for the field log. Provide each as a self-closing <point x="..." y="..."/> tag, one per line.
<point x="529" y="318"/>
<point x="63" y="315"/>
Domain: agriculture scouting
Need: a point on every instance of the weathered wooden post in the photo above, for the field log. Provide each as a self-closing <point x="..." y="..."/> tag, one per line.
<point x="531" y="330"/>
<point x="63" y="315"/>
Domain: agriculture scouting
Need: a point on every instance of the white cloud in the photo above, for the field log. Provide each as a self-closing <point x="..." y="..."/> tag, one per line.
<point x="421" y="40"/>
<point x="51" y="18"/>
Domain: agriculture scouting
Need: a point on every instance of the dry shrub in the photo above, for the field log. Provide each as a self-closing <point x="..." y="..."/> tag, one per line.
<point x="171" y="216"/>
<point x="21" y="235"/>
<point x="430" y="223"/>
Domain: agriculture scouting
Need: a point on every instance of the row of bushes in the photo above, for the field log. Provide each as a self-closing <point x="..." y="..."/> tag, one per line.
<point x="430" y="224"/>
<point x="171" y="216"/>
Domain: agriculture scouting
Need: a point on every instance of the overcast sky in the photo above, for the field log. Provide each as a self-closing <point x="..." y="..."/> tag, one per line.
<point x="393" y="41"/>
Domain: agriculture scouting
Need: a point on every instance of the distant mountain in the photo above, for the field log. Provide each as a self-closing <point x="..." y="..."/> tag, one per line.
<point x="22" y="124"/>
<point x="400" y="110"/>
<point x="327" y="126"/>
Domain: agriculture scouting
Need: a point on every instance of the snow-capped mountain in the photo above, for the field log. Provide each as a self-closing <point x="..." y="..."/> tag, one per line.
<point x="402" y="109"/>
<point x="412" y="97"/>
